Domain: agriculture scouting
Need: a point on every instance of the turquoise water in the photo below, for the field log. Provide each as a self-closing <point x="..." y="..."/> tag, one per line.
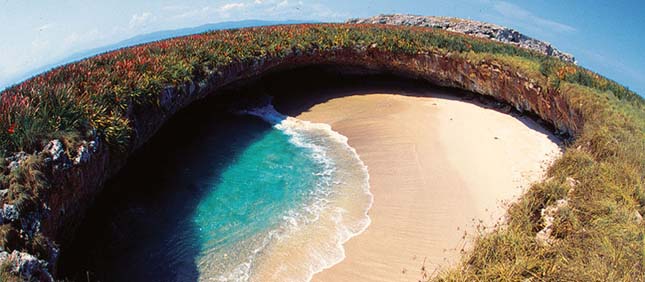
<point x="270" y="182"/>
<point x="269" y="178"/>
<point x="226" y="198"/>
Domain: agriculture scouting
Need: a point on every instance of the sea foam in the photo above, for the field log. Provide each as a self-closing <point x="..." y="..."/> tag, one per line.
<point x="311" y="237"/>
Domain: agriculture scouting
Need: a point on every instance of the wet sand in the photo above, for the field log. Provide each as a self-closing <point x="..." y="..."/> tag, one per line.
<point x="438" y="166"/>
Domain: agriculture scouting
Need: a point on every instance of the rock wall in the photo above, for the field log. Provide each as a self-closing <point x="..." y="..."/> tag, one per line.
<point x="474" y="28"/>
<point x="76" y="181"/>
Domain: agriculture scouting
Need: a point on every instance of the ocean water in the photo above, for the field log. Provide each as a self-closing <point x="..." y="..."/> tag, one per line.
<point x="256" y="197"/>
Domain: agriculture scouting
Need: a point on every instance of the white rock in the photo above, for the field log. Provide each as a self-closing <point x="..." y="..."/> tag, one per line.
<point x="473" y="28"/>
<point x="544" y="237"/>
<point x="638" y="217"/>
<point x="26" y="266"/>
<point x="55" y="149"/>
<point x="9" y="213"/>
<point x="82" y="154"/>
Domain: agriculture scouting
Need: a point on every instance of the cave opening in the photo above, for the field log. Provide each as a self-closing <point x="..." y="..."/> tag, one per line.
<point x="138" y="230"/>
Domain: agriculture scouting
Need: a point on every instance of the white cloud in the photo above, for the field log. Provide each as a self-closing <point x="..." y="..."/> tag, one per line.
<point x="231" y="6"/>
<point x="519" y="14"/>
<point x="286" y="9"/>
<point x="44" y="27"/>
<point x="255" y="9"/>
<point x="174" y="8"/>
<point x="40" y="44"/>
<point x="74" y="39"/>
<point x="139" y="20"/>
<point x="71" y="39"/>
<point x="322" y="12"/>
<point x="617" y="64"/>
<point x="194" y="13"/>
<point x="61" y="39"/>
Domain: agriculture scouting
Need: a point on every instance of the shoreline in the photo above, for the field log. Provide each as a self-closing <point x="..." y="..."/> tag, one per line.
<point x="413" y="142"/>
<point x="302" y="249"/>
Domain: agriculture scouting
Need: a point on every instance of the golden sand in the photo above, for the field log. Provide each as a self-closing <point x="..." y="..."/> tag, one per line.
<point x="438" y="166"/>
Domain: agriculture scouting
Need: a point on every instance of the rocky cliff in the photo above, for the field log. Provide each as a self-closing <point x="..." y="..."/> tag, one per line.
<point x="76" y="175"/>
<point x="470" y="27"/>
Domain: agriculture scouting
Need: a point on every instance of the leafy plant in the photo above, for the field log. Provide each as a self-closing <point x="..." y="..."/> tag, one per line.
<point x="597" y="238"/>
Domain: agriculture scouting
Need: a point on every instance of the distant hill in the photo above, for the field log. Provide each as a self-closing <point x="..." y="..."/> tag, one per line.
<point x="144" y="38"/>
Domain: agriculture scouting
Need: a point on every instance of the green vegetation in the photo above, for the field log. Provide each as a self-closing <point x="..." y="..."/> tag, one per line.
<point x="98" y="92"/>
<point x="598" y="237"/>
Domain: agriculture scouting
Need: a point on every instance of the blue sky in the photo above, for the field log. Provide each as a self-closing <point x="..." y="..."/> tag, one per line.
<point x="605" y="36"/>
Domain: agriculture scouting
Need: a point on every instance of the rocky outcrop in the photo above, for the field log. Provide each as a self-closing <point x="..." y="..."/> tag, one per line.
<point x="26" y="265"/>
<point x="544" y="237"/>
<point x="474" y="28"/>
<point x="76" y="175"/>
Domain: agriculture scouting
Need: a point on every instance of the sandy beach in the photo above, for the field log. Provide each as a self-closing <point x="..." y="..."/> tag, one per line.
<point x="438" y="166"/>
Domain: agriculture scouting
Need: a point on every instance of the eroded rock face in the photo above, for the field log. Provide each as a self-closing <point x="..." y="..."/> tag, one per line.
<point x="16" y="160"/>
<point x="470" y="27"/>
<point x="26" y="266"/>
<point x="76" y="179"/>
<point x="8" y="213"/>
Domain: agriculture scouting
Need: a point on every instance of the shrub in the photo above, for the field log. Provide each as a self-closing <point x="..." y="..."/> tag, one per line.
<point x="597" y="240"/>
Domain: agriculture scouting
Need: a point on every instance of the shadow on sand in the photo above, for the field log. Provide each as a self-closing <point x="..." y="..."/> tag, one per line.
<point x="140" y="227"/>
<point x="297" y="91"/>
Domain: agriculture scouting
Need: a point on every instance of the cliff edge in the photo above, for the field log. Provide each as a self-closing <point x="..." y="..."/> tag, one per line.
<point x="82" y="121"/>
<point x="470" y="27"/>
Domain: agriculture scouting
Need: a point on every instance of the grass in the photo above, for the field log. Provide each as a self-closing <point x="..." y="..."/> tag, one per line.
<point x="597" y="235"/>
